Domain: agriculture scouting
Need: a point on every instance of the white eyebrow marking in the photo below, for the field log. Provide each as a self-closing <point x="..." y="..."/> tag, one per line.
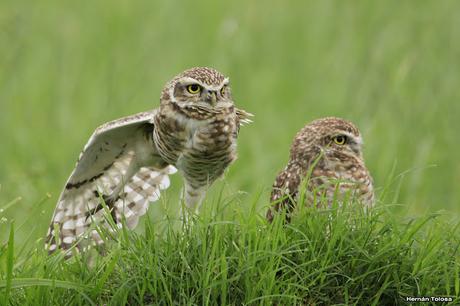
<point x="357" y="139"/>
<point x="188" y="80"/>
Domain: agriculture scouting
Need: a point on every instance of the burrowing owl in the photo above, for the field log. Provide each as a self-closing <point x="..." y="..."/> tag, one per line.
<point x="126" y="162"/>
<point x="327" y="154"/>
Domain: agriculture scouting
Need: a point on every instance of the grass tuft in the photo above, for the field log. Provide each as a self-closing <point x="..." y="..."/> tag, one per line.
<point x="343" y="255"/>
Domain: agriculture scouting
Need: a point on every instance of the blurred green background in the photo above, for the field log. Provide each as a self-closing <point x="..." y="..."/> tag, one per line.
<point x="392" y="67"/>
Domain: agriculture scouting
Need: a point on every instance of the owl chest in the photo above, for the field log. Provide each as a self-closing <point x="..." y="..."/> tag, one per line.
<point x="188" y="142"/>
<point x="343" y="180"/>
<point x="211" y="141"/>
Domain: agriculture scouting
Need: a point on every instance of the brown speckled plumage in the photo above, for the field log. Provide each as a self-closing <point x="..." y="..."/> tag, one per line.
<point x="126" y="162"/>
<point x="332" y="171"/>
<point x="198" y="132"/>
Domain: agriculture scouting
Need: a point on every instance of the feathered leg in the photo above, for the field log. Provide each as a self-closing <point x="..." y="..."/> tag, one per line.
<point x="191" y="199"/>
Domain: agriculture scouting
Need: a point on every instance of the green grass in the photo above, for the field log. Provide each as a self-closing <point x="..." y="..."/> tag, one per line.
<point x="329" y="257"/>
<point x="389" y="66"/>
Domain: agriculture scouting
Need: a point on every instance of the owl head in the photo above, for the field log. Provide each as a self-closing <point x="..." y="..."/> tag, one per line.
<point x="335" y="138"/>
<point x="198" y="87"/>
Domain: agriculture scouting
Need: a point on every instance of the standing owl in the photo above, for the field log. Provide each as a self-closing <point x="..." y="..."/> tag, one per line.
<point x="328" y="154"/>
<point x="127" y="162"/>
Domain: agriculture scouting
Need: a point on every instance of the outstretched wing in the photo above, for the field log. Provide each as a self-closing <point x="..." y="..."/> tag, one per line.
<point x="120" y="167"/>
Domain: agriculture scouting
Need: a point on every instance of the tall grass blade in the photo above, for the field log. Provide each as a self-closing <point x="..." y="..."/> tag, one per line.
<point x="10" y="264"/>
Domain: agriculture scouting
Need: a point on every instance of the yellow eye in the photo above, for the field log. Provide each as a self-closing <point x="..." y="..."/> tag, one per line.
<point x="194" y="88"/>
<point x="222" y="90"/>
<point x="340" y="140"/>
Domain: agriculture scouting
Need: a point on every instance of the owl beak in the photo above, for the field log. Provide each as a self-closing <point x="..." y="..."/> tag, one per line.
<point x="211" y="98"/>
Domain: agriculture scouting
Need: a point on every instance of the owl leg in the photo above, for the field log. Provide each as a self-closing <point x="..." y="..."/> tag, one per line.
<point x="192" y="198"/>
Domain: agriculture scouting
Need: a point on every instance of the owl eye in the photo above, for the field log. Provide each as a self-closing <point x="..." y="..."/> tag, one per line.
<point x="194" y="88"/>
<point x="222" y="90"/>
<point x="340" y="139"/>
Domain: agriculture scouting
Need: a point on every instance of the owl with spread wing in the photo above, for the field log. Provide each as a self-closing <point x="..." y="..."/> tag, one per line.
<point x="127" y="162"/>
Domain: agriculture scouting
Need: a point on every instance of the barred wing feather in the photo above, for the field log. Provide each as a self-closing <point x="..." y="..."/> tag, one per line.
<point x="120" y="167"/>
